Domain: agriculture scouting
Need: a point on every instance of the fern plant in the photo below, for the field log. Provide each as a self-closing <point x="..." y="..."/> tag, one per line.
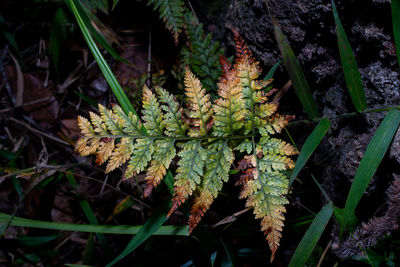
<point x="171" y="12"/>
<point x="207" y="136"/>
<point x="201" y="53"/>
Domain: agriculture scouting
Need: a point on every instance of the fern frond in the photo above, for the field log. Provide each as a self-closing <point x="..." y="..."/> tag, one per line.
<point x="245" y="145"/>
<point x="98" y="125"/>
<point x="140" y="158"/>
<point x="130" y="123"/>
<point x="152" y="115"/>
<point x="241" y="119"/>
<point x="174" y="122"/>
<point x="121" y="154"/>
<point x="171" y="12"/>
<point x="104" y="150"/>
<point x="229" y="109"/>
<point x="275" y="124"/>
<point x="217" y="168"/>
<point x="263" y="180"/>
<point x="265" y="195"/>
<point x="199" y="105"/>
<point x="191" y="164"/>
<point x="268" y="145"/>
<point x="202" y="53"/>
<point x="162" y="157"/>
<point x="228" y="119"/>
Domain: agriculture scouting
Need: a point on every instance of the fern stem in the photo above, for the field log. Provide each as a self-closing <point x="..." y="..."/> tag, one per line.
<point x="177" y="138"/>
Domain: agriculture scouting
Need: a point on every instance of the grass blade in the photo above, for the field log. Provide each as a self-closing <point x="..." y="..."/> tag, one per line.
<point x="373" y="156"/>
<point x="85" y="15"/>
<point x="35" y="241"/>
<point x="311" y="237"/>
<point x="87" y="99"/>
<point x="108" y="74"/>
<point x="92" y="228"/>
<point x="349" y="65"/>
<point x="309" y="146"/>
<point x="152" y="224"/>
<point x="295" y="73"/>
<point x="271" y="72"/>
<point x="396" y="26"/>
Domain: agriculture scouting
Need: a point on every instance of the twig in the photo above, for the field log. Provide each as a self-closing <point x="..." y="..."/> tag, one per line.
<point x="230" y="218"/>
<point x="345" y="115"/>
<point x="64" y="169"/>
<point x="324" y="254"/>
<point x="108" y="185"/>
<point x="36" y="101"/>
<point x="39" y="132"/>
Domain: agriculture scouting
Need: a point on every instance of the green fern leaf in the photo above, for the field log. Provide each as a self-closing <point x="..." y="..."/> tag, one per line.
<point x="217" y="168"/>
<point x="191" y="164"/>
<point x="164" y="152"/>
<point x="142" y="151"/>
<point x="245" y="145"/>
<point x="152" y="115"/>
<point x="202" y="54"/>
<point x="175" y="125"/>
<point x="171" y="12"/>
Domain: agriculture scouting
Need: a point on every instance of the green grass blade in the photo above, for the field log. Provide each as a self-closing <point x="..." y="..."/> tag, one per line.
<point x="91" y="228"/>
<point x="87" y="99"/>
<point x="396" y="26"/>
<point x="349" y="65"/>
<point x="108" y="74"/>
<point x="321" y="188"/>
<point x="373" y="156"/>
<point x="34" y="241"/>
<point x="85" y="15"/>
<point x="152" y="224"/>
<point x="309" y="146"/>
<point x="311" y="237"/>
<point x="271" y="72"/>
<point x="295" y="73"/>
<point x="89" y="250"/>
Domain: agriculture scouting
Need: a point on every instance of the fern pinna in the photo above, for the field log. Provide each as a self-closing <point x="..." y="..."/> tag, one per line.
<point x="205" y="138"/>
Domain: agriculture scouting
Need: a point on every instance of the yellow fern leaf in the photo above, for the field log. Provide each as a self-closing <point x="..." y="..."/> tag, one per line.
<point x="104" y="151"/>
<point x="121" y="154"/>
<point x="85" y="126"/>
<point x="199" y="105"/>
<point x="162" y="157"/>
